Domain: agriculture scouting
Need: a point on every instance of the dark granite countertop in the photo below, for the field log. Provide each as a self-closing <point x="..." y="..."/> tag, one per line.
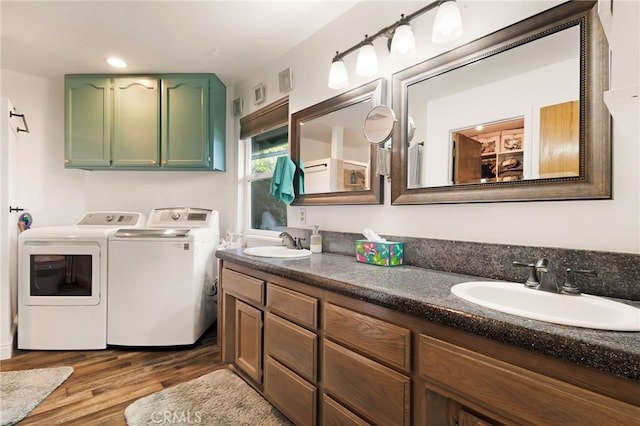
<point x="426" y="294"/>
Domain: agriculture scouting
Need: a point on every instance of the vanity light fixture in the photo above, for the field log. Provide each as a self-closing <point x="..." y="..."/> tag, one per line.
<point x="400" y="41"/>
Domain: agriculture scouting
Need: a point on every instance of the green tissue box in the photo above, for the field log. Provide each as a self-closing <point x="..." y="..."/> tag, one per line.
<point x="387" y="253"/>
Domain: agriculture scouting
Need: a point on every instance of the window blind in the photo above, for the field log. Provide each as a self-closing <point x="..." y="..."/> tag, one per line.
<point x="268" y="118"/>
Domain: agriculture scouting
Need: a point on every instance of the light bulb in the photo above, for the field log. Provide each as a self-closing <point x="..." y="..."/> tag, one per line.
<point x="403" y="42"/>
<point x="338" y="76"/>
<point x="448" y="23"/>
<point x="367" y="62"/>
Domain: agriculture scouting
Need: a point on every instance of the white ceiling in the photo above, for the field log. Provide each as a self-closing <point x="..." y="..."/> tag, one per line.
<point x="231" y="38"/>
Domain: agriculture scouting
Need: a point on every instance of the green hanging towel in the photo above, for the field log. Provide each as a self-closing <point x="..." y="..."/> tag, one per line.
<point x="282" y="181"/>
<point x="301" y="178"/>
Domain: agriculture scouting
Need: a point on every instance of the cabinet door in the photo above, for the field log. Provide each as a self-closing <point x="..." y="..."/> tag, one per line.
<point x="87" y="140"/>
<point x="248" y="344"/>
<point x="136" y="122"/>
<point x="185" y="117"/>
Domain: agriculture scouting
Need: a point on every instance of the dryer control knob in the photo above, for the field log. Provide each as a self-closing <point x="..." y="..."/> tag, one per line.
<point x="175" y="215"/>
<point x="108" y="218"/>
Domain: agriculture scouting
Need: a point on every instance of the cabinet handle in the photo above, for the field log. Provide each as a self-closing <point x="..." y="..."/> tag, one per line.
<point x="66" y="160"/>
<point x="164" y="162"/>
<point x="153" y="161"/>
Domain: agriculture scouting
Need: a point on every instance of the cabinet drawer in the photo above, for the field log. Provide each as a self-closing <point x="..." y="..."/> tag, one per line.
<point x="297" y="307"/>
<point x="335" y="414"/>
<point x="375" y="392"/>
<point x="292" y="345"/>
<point x="379" y="339"/>
<point x="516" y="394"/>
<point x="243" y="286"/>
<point x="290" y="393"/>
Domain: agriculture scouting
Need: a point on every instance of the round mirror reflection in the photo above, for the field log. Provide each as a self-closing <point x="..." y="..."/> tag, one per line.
<point x="379" y="123"/>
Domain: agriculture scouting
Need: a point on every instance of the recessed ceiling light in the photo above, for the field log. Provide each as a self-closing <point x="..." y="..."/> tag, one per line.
<point x="116" y="62"/>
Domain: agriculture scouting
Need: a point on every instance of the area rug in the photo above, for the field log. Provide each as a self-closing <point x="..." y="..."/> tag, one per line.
<point x="21" y="391"/>
<point x="217" y="398"/>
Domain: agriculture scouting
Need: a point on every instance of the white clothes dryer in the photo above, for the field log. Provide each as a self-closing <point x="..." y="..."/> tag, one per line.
<point x="62" y="282"/>
<point x="163" y="279"/>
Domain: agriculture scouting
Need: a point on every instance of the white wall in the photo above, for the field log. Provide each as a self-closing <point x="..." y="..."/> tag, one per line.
<point x="53" y="195"/>
<point x="610" y="225"/>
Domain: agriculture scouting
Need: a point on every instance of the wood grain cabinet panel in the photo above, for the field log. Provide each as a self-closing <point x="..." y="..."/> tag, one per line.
<point x="297" y="307"/>
<point x="292" y="345"/>
<point x="379" y="339"/>
<point x="248" y="340"/>
<point x="335" y="414"/>
<point x="515" y="394"/>
<point x="243" y="286"/>
<point x="373" y="391"/>
<point x="290" y="393"/>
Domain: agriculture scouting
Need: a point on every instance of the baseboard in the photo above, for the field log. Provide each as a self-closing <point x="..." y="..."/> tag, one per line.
<point x="7" y="347"/>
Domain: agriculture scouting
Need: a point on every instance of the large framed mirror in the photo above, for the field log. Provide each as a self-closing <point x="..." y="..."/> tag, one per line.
<point x="517" y="115"/>
<point x="328" y="140"/>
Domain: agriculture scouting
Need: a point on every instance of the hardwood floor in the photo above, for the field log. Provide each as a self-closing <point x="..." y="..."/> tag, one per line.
<point x="105" y="382"/>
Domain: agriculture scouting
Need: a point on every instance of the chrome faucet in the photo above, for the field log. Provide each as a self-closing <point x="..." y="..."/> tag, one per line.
<point x="291" y="242"/>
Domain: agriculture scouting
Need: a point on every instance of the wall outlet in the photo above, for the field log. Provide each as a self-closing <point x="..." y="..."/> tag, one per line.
<point x="303" y="216"/>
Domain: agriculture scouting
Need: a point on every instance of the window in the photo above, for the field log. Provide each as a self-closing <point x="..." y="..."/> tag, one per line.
<point x="264" y="212"/>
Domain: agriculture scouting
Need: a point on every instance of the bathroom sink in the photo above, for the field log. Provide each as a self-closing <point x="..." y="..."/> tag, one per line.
<point x="579" y="311"/>
<point x="277" y="251"/>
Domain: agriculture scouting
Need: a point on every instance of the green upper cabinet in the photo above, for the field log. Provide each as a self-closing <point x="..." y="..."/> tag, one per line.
<point x="136" y="122"/>
<point x="154" y="122"/>
<point x="87" y="106"/>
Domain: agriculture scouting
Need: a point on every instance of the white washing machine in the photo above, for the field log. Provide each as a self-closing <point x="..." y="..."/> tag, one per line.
<point x="62" y="282"/>
<point x="163" y="279"/>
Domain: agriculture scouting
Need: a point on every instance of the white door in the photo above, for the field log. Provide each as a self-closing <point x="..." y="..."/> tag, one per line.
<point x="8" y="226"/>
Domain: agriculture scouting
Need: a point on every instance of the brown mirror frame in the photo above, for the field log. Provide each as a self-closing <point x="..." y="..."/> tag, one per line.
<point x="374" y="195"/>
<point x="594" y="181"/>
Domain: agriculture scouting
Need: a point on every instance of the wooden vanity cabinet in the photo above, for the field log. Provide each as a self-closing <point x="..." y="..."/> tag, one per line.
<point x="333" y="360"/>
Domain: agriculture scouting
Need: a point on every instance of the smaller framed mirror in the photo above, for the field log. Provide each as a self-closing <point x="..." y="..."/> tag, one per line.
<point x="378" y="125"/>
<point x="330" y="146"/>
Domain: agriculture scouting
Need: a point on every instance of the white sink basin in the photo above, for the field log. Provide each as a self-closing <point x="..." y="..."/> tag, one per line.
<point x="277" y="251"/>
<point x="580" y="311"/>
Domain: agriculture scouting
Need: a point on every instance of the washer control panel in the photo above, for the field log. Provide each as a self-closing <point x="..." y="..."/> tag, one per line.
<point x="112" y="219"/>
<point x="184" y="217"/>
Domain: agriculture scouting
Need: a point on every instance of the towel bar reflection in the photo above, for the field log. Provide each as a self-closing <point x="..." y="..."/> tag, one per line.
<point x="24" y="120"/>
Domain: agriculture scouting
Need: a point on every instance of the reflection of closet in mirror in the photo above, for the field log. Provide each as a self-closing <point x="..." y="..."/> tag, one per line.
<point x="492" y="152"/>
<point x="515" y="83"/>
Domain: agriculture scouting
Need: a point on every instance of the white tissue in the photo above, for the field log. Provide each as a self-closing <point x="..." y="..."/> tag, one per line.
<point x="372" y="236"/>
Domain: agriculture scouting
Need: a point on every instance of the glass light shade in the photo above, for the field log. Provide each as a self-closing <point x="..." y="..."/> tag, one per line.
<point x="338" y="76"/>
<point x="403" y="42"/>
<point x="448" y="23"/>
<point x="367" y="62"/>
